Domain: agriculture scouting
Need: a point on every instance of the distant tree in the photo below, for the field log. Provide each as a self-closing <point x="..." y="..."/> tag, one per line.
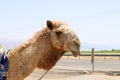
<point x="113" y="50"/>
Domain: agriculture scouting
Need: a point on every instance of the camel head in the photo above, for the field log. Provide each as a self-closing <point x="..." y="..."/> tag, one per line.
<point x="63" y="37"/>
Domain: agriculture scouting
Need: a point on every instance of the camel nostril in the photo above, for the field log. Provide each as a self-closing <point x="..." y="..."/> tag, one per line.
<point x="76" y="42"/>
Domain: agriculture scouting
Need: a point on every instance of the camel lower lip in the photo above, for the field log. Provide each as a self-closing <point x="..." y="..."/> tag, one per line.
<point x="75" y="53"/>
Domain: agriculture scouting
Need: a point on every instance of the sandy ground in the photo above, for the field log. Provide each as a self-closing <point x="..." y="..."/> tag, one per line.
<point x="62" y="71"/>
<point x="59" y="74"/>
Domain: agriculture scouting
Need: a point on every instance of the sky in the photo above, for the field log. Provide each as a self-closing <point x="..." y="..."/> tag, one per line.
<point x="96" y="22"/>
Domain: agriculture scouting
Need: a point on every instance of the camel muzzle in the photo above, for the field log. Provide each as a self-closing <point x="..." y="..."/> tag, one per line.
<point x="73" y="43"/>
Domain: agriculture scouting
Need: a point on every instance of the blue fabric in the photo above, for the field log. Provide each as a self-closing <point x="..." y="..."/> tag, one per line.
<point x="1" y="74"/>
<point x="5" y="62"/>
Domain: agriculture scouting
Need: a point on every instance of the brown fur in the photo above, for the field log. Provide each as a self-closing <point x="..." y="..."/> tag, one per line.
<point x="36" y="52"/>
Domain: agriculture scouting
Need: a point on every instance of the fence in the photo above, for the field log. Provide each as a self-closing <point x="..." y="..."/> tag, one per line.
<point x="104" y="64"/>
<point x="96" y="55"/>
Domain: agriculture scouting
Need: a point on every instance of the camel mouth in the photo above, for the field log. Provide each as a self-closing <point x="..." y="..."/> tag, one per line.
<point x="74" y="46"/>
<point x="74" y="49"/>
<point x="75" y="54"/>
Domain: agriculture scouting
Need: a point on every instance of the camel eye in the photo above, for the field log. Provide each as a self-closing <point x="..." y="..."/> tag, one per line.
<point x="58" y="32"/>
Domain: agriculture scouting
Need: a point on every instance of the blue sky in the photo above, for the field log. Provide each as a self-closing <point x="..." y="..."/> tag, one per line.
<point x="96" y="22"/>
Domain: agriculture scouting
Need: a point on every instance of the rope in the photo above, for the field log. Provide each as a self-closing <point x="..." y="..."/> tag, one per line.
<point x="43" y="75"/>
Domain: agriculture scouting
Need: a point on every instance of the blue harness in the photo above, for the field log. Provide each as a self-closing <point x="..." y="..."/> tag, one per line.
<point x="4" y="65"/>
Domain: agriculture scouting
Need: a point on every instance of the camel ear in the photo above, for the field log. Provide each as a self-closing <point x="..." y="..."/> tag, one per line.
<point x="49" y="24"/>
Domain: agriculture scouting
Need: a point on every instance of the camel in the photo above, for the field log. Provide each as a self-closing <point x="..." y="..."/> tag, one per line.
<point x="43" y="50"/>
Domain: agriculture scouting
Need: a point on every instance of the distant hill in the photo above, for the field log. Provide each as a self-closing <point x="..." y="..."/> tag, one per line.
<point x="89" y="46"/>
<point x="12" y="43"/>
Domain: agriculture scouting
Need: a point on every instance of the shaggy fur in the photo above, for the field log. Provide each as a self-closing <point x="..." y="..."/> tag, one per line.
<point x="38" y="51"/>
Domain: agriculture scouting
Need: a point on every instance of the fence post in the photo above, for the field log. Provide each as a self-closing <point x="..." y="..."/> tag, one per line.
<point x="92" y="59"/>
<point x="79" y="55"/>
<point x="104" y="58"/>
<point x="68" y="57"/>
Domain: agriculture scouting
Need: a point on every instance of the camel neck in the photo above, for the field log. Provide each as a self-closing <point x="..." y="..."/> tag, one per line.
<point x="22" y="62"/>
